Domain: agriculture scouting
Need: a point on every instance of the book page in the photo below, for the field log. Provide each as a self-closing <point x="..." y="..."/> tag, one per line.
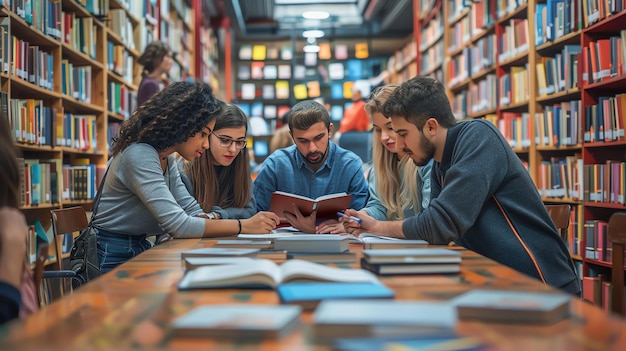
<point x="300" y="270"/>
<point x="260" y="272"/>
<point x="330" y="196"/>
<point x="294" y="196"/>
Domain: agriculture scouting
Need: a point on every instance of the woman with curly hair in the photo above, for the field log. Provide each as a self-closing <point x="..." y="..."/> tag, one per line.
<point x="143" y="193"/>
<point x="157" y="60"/>
<point x="220" y="179"/>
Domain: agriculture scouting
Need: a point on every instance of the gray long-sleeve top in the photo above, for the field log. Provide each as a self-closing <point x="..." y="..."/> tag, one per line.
<point x="139" y="199"/>
<point x="484" y="199"/>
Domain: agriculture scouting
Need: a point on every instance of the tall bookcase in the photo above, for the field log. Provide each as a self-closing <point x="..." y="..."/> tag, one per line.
<point x="551" y="76"/>
<point x="68" y="78"/>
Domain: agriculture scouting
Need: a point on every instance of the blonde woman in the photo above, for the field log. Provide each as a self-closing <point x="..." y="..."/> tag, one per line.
<point x="397" y="187"/>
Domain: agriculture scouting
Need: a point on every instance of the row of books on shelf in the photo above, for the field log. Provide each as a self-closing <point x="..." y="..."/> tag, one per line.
<point x="604" y="58"/>
<point x="562" y="178"/>
<point x="80" y="33"/>
<point x="120" y="61"/>
<point x="44" y="15"/>
<point x="307" y="90"/>
<point x="121" y="100"/>
<point x="599" y="291"/>
<point x="606" y="121"/>
<point x="605" y="182"/>
<point x="272" y="111"/>
<point x="28" y="62"/>
<point x="352" y="70"/>
<point x="432" y="57"/>
<point x="557" y="18"/>
<point x="76" y="81"/>
<point x="50" y="181"/>
<point x="261" y="52"/>
<point x="558" y="73"/>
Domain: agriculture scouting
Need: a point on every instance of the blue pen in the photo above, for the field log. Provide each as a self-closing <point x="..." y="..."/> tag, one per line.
<point x="356" y="219"/>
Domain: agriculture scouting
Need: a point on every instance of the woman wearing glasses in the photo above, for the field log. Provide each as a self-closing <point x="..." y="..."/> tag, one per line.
<point x="220" y="179"/>
<point x="143" y="193"/>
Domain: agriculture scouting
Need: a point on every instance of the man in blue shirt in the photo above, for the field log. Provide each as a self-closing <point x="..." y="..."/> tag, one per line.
<point x="312" y="167"/>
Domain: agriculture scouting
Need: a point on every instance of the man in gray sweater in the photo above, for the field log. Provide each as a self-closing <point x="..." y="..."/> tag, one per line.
<point x="482" y="197"/>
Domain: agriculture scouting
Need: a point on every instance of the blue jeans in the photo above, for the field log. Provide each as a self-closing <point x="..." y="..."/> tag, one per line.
<point x="115" y="249"/>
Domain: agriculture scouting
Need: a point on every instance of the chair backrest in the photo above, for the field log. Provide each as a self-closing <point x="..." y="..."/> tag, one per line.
<point x="616" y="232"/>
<point x="358" y="142"/>
<point x="66" y="221"/>
<point x="560" y="216"/>
<point x="40" y="262"/>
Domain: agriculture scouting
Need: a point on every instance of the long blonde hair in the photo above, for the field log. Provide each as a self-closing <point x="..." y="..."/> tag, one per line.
<point x="391" y="173"/>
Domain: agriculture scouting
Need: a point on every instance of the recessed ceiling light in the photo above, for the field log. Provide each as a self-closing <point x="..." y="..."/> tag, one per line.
<point x="313" y="33"/>
<point x="311" y="48"/>
<point x="315" y="14"/>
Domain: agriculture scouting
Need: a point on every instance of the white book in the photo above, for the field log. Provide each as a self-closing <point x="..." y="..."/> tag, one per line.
<point x="244" y="321"/>
<point x="267" y="274"/>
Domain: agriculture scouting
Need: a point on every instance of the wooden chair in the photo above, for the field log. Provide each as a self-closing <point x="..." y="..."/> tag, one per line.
<point x="616" y="232"/>
<point x="66" y="221"/>
<point x="560" y="217"/>
<point x="40" y="263"/>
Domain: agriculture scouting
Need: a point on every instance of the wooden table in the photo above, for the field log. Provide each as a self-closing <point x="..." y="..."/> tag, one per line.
<point x="132" y="308"/>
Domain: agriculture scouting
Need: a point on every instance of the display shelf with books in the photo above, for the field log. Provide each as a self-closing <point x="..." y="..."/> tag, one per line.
<point x="603" y="97"/>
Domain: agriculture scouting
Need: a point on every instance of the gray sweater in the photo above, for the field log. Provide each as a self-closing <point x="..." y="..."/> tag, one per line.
<point x="138" y="199"/>
<point x="484" y="199"/>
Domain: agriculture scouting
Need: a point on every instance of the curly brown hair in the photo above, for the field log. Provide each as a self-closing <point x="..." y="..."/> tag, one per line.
<point x="171" y="117"/>
<point x="9" y="171"/>
<point x="153" y="55"/>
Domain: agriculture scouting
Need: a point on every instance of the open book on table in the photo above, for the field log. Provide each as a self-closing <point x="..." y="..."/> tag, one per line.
<point x="327" y="206"/>
<point x="267" y="274"/>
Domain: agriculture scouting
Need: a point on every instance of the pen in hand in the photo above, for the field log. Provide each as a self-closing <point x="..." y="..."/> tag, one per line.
<point x="356" y="219"/>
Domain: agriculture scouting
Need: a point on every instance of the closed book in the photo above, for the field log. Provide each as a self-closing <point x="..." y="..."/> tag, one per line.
<point x="238" y="321"/>
<point x="326" y="243"/>
<point x="513" y="306"/>
<point x="425" y="255"/>
<point x="361" y="318"/>
<point x="219" y="252"/>
<point x="411" y="268"/>
<point x="323" y="257"/>
<point x="427" y="341"/>
<point x="267" y="274"/>
<point x="195" y="262"/>
<point x="309" y="295"/>
<point x="327" y="206"/>
<point x="254" y="244"/>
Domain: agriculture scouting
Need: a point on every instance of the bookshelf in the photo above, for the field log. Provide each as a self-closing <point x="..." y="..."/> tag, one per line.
<point x="550" y="75"/>
<point x="274" y="76"/>
<point x="68" y="78"/>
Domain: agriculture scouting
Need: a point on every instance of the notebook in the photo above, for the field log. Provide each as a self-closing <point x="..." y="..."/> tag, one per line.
<point x="309" y="295"/>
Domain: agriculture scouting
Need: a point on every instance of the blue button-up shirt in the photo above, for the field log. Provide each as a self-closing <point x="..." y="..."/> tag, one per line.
<point x="286" y="170"/>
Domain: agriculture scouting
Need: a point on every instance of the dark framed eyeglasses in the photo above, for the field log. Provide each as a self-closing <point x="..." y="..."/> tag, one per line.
<point x="227" y="142"/>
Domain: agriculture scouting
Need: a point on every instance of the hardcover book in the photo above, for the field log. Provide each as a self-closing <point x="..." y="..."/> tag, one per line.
<point x="267" y="274"/>
<point x="238" y="321"/>
<point x="219" y="252"/>
<point x="409" y="268"/>
<point x="327" y="206"/>
<point x="309" y="295"/>
<point x="513" y="306"/>
<point x="354" y="318"/>
<point x="326" y="243"/>
<point x="420" y="255"/>
<point x="247" y="244"/>
<point x="195" y="262"/>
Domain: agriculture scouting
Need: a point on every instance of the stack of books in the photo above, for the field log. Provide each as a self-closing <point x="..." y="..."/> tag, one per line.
<point x="412" y="261"/>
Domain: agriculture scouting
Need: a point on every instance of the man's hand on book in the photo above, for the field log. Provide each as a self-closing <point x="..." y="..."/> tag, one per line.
<point x="305" y="224"/>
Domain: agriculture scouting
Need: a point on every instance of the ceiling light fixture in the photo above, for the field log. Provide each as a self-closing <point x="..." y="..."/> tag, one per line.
<point x="311" y="48"/>
<point x="315" y="15"/>
<point x="313" y="33"/>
